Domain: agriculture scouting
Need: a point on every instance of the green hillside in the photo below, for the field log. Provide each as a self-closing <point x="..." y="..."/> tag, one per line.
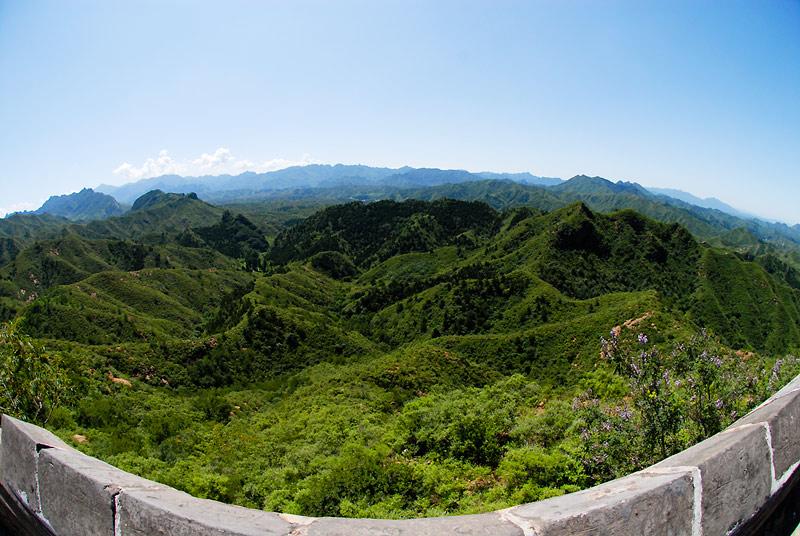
<point x="583" y="185"/>
<point x="61" y="261"/>
<point x="499" y="194"/>
<point x="154" y="213"/>
<point x="20" y="230"/>
<point x="399" y="358"/>
<point x="376" y="231"/>
<point x="744" y="305"/>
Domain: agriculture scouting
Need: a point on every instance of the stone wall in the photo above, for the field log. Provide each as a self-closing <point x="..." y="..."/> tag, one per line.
<point x="714" y="488"/>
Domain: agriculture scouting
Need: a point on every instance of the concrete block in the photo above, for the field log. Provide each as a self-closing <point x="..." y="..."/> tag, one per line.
<point x="171" y="512"/>
<point x="78" y="492"/>
<point x="735" y="473"/>
<point x="481" y="524"/>
<point x="641" y="503"/>
<point x="782" y="413"/>
<point x="21" y="444"/>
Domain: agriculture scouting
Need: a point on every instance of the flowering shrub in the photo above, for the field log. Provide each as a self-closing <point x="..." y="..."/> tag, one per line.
<point x="677" y="398"/>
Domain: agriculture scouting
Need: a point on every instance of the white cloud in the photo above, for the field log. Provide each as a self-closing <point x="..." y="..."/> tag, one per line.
<point x="19" y="207"/>
<point x="221" y="162"/>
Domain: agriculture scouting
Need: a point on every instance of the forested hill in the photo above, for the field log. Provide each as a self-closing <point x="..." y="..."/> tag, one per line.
<point x="376" y="231"/>
<point x="501" y="194"/>
<point x="581" y="253"/>
<point x="156" y="217"/>
<point x="605" y="196"/>
<point x="153" y="214"/>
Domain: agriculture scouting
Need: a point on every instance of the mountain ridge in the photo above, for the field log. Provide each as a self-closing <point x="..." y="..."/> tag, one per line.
<point x="307" y="176"/>
<point x="342" y="183"/>
<point x="311" y="176"/>
<point x="83" y="205"/>
<point x="708" y="202"/>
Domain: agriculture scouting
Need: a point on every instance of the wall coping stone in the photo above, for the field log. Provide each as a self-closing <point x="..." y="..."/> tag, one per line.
<point x="21" y="444"/>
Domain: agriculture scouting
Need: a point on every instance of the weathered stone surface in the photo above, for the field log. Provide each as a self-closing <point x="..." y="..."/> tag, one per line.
<point x="484" y="524"/>
<point x="641" y="503"/>
<point x="21" y="444"/>
<point x="78" y="492"/>
<point x="735" y="472"/>
<point x="169" y="511"/>
<point x="782" y="413"/>
<point x="790" y="387"/>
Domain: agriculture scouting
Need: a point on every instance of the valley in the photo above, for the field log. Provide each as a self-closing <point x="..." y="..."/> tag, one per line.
<point x="445" y="349"/>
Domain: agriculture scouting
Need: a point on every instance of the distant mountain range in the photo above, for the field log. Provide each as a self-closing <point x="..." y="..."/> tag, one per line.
<point x="709" y="202"/>
<point x="705" y="218"/>
<point x="221" y="187"/>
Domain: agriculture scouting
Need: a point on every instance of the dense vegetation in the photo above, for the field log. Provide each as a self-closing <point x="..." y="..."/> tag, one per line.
<point x="391" y="359"/>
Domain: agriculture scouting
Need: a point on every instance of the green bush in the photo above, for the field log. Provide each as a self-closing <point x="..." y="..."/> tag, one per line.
<point x="33" y="384"/>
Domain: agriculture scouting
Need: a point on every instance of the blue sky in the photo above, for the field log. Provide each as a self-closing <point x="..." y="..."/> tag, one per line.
<point x="699" y="95"/>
